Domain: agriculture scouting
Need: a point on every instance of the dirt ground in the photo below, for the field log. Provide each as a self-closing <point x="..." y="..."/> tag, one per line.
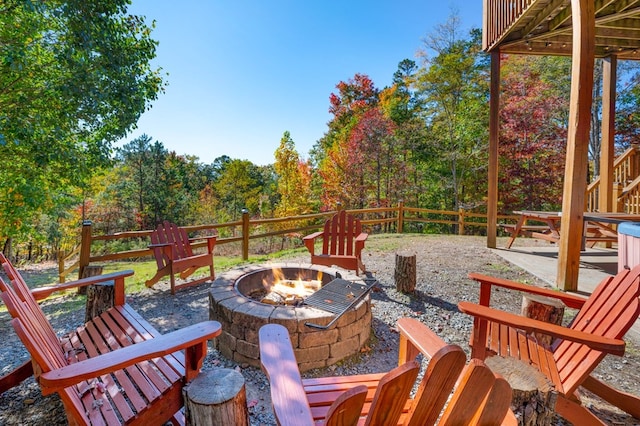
<point x="443" y="265"/>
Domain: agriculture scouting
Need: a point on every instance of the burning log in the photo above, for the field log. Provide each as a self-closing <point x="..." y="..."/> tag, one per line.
<point x="290" y="292"/>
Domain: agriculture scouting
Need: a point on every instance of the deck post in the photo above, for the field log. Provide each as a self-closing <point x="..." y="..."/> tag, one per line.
<point x="575" y="181"/>
<point x="494" y="127"/>
<point x="607" y="154"/>
<point x="400" y="216"/>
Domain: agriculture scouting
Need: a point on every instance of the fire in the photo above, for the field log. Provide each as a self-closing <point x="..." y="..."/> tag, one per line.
<point x="288" y="291"/>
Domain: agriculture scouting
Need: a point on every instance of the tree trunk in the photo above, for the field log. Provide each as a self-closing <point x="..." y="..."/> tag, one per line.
<point x="216" y="397"/>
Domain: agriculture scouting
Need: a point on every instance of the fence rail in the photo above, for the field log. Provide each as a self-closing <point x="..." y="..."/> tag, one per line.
<point x="252" y="229"/>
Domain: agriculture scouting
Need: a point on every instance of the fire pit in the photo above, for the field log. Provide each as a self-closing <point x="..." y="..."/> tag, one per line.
<point x="244" y="299"/>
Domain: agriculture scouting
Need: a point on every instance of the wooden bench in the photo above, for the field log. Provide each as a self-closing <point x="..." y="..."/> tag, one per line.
<point x="342" y="243"/>
<point x="570" y="360"/>
<point x="174" y="254"/>
<point x="479" y="398"/>
<point x="116" y="368"/>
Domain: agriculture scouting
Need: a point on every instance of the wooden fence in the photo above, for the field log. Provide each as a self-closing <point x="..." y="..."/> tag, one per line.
<point x="391" y="219"/>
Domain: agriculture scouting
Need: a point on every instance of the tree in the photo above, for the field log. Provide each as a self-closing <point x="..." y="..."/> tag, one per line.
<point x="74" y="77"/>
<point x="293" y="179"/>
<point x="453" y="84"/>
<point x="532" y="138"/>
<point x="354" y="98"/>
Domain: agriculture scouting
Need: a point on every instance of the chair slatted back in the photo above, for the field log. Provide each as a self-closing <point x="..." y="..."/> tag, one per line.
<point x="170" y="233"/>
<point x="339" y="234"/>
<point x="21" y="304"/>
<point x="610" y="312"/>
<point x="34" y="330"/>
<point x="391" y="394"/>
<point x="480" y="397"/>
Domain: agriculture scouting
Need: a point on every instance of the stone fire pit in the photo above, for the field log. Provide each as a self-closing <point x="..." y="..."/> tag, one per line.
<point x="241" y="317"/>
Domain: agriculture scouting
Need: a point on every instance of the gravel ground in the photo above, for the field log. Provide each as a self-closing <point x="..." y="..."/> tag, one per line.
<point x="443" y="265"/>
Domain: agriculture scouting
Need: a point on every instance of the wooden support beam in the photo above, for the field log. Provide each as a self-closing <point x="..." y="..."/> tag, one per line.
<point x="607" y="154"/>
<point x="575" y="182"/>
<point x="494" y="127"/>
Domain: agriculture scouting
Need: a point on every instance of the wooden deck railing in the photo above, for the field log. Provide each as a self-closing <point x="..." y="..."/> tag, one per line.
<point x="626" y="169"/>
<point x="499" y="15"/>
<point x="392" y="219"/>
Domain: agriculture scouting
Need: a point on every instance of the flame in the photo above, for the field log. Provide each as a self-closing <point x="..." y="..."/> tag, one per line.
<point x="296" y="288"/>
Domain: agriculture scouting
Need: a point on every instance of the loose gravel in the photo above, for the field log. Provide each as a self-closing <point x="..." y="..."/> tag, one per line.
<point x="443" y="263"/>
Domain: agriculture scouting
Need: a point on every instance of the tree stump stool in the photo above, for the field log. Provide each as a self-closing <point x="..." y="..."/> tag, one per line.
<point x="405" y="272"/>
<point x="534" y="397"/>
<point x="545" y="309"/>
<point x="100" y="297"/>
<point x="216" y="397"/>
<point x="89" y="271"/>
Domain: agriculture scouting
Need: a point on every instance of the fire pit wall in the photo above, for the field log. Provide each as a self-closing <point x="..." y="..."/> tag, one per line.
<point x="242" y="317"/>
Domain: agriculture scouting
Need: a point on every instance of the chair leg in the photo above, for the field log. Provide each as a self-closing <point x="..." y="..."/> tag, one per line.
<point x="576" y="413"/>
<point x="625" y="401"/>
<point x="172" y="280"/>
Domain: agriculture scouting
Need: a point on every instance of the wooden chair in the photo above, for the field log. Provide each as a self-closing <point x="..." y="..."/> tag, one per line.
<point x="342" y="243"/>
<point x="373" y="399"/>
<point x="602" y="321"/>
<point x="115" y="369"/>
<point x="173" y="252"/>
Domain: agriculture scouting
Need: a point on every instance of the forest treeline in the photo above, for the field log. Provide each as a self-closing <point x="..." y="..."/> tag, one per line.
<point x="423" y="139"/>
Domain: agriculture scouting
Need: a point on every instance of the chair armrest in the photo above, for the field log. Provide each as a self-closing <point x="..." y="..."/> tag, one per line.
<point x="309" y="241"/>
<point x="210" y="240"/>
<point x="120" y="358"/>
<point x="570" y="300"/>
<point x="290" y="404"/>
<point x="529" y="325"/>
<point x="43" y="292"/>
<point x="362" y="237"/>
<point x="420" y="336"/>
<point x="313" y="236"/>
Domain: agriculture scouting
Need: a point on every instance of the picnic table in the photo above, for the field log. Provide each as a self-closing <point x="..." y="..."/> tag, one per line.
<point x="598" y="227"/>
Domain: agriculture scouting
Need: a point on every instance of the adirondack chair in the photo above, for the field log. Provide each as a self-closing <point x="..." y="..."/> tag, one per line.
<point x="115" y="369"/>
<point x="374" y="399"/>
<point x="597" y="330"/>
<point x="342" y="243"/>
<point x="173" y="252"/>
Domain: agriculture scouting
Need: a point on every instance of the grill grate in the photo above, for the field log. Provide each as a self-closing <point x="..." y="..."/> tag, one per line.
<point x="337" y="297"/>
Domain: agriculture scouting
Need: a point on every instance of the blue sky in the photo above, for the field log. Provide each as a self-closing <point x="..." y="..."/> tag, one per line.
<point x="241" y="73"/>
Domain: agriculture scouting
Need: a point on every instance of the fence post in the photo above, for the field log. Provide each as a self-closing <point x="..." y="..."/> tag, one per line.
<point x="460" y="221"/>
<point x="245" y="234"/>
<point x="338" y="206"/>
<point x="400" y="217"/>
<point x="85" y="246"/>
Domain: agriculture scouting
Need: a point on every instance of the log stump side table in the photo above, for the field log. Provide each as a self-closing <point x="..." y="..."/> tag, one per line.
<point x="405" y="272"/>
<point x="534" y="397"/>
<point x="216" y="397"/>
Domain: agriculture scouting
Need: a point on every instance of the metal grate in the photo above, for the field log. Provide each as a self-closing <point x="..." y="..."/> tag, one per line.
<point x="337" y="297"/>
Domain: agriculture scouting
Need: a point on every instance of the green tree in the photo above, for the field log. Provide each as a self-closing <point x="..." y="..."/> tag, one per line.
<point x="239" y="186"/>
<point x="454" y="87"/>
<point x="74" y="77"/>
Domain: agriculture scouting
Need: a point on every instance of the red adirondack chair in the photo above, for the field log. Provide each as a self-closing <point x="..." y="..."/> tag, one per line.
<point x="342" y="243"/>
<point x="116" y="368"/>
<point x="596" y="331"/>
<point x="173" y="252"/>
